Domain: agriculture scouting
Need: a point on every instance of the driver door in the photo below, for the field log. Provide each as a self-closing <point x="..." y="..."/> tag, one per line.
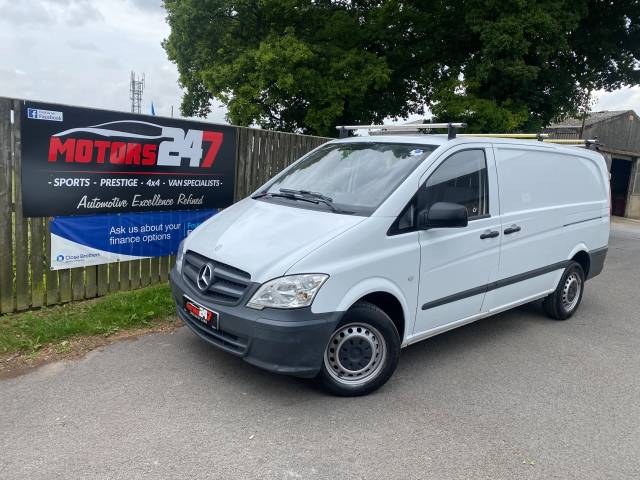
<point x="457" y="264"/>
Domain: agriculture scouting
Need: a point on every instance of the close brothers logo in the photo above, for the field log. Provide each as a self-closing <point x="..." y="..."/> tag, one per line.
<point x="76" y="258"/>
<point x="121" y="143"/>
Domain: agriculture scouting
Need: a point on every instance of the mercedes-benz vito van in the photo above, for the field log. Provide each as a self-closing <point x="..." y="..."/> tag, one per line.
<point x="369" y="244"/>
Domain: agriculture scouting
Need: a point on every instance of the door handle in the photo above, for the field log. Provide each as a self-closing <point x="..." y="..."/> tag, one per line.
<point x="489" y="234"/>
<point x="512" y="229"/>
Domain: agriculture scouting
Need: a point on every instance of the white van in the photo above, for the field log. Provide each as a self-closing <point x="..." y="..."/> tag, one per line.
<point x="369" y="244"/>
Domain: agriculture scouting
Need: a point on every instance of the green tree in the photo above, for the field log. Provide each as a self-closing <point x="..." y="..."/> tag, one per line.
<point x="532" y="61"/>
<point x="298" y="65"/>
<point x="302" y="65"/>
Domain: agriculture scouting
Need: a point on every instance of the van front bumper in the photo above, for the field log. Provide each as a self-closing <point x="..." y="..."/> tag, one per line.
<point x="283" y="341"/>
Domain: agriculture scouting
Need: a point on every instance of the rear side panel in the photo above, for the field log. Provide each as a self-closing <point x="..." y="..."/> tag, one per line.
<point x="553" y="203"/>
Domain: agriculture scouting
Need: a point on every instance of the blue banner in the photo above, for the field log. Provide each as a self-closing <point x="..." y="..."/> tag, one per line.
<point x="79" y="241"/>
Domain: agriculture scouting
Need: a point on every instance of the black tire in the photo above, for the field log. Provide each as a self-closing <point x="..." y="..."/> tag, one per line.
<point x="360" y="327"/>
<point x="563" y="303"/>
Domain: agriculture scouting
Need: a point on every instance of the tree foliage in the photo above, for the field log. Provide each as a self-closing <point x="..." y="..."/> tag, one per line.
<point x="307" y="66"/>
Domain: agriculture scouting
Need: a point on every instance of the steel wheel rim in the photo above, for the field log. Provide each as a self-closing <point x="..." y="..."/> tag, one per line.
<point x="355" y="354"/>
<point x="571" y="292"/>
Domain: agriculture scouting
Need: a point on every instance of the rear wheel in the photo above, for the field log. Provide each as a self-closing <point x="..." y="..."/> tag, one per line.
<point x="362" y="352"/>
<point x="563" y="303"/>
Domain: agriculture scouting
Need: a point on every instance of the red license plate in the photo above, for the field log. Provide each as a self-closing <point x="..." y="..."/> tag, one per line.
<point x="206" y="316"/>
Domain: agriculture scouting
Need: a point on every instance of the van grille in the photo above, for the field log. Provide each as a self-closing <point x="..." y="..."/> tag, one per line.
<point x="229" y="283"/>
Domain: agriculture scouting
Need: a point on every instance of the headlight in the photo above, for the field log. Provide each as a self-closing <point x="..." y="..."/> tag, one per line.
<point x="292" y="291"/>
<point x="180" y="257"/>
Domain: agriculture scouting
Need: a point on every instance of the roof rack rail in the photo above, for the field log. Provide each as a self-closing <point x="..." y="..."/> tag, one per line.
<point x="542" y="137"/>
<point x="537" y="136"/>
<point x="451" y="128"/>
<point x="572" y="141"/>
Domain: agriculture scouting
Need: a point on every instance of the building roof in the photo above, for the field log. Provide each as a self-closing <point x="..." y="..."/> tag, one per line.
<point x="592" y="118"/>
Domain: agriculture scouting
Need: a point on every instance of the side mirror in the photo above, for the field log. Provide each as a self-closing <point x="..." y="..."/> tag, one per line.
<point x="443" y="215"/>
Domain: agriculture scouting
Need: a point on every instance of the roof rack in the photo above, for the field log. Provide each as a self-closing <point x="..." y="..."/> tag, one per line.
<point x="451" y="128"/>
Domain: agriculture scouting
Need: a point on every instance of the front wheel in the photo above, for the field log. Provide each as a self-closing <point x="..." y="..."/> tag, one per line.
<point x="362" y="352"/>
<point x="563" y="303"/>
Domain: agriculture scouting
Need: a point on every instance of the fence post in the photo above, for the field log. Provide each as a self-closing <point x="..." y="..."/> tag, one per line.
<point x="51" y="276"/>
<point x="21" y="235"/>
<point x="91" y="284"/>
<point x="103" y="279"/>
<point x="239" y="166"/>
<point x="6" y="209"/>
<point x="38" y="265"/>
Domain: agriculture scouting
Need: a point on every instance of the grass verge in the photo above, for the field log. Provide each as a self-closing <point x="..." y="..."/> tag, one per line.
<point x="26" y="333"/>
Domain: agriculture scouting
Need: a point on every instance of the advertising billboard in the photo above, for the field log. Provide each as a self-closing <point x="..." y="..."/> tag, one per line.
<point x="82" y="161"/>
<point x="81" y="241"/>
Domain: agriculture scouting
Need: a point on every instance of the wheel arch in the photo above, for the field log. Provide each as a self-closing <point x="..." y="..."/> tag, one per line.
<point x="386" y="296"/>
<point x="581" y="255"/>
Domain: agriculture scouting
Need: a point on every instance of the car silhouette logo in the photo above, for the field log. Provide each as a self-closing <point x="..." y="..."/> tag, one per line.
<point x="205" y="277"/>
<point x="121" y="128"/>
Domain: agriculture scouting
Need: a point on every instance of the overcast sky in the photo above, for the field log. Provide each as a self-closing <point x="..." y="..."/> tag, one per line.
<point x="81" y="52"/>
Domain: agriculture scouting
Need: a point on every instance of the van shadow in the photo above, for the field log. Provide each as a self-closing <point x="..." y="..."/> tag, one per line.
<point x="241" y="377"/>
<point x="488" y="332"/>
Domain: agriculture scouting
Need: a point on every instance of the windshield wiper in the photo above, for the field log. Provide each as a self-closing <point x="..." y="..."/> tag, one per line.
<point x="316" y="197"/>
<point x="285" y="195"/>
<point x="303" y="195"/>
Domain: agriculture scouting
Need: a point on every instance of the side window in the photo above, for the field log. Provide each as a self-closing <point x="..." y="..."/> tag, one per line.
<point x="462" y="179"/>
<point x="406" y="220"/>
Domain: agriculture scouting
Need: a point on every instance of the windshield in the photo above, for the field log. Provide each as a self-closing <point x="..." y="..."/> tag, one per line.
<point x="357" y="177"/>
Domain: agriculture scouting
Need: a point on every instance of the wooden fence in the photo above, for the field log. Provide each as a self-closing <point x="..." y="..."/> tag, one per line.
<point x="25" y="278"/>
